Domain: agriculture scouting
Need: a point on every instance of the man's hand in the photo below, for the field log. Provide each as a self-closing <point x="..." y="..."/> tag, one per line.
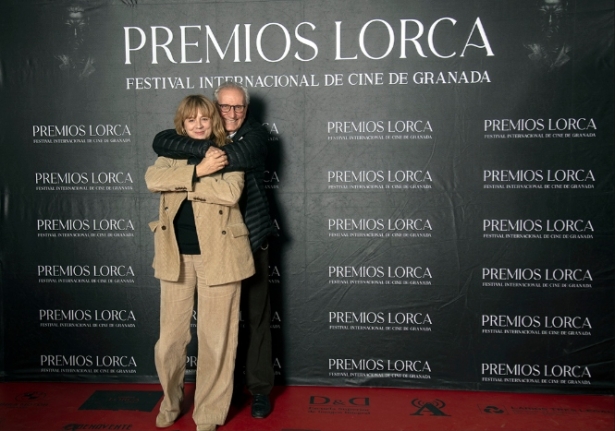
<point x="214" y="151"/>
<point x="214" y="160"/>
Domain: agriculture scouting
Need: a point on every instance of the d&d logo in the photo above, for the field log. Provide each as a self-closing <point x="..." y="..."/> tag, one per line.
<point x="355" y="401"/>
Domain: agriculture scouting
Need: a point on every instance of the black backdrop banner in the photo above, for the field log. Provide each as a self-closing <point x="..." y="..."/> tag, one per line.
<point x="441" y="175"/>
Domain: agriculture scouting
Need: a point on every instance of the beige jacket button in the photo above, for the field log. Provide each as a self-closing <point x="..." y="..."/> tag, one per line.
<point x="223" y="232"/>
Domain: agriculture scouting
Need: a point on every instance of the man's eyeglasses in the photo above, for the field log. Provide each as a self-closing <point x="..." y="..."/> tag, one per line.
<point x="237" y="108"/>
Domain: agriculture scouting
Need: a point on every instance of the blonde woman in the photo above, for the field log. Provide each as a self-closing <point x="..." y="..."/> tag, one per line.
<point x="200" y="245"/>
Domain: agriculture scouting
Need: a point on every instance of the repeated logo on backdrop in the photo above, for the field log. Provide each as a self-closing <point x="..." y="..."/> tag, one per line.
<point x="85" y="228"/>
<point x="379" y="321"/>
<point x="379" y="179"/>
<point x="540" y="128"/>
<point x="535" y="325"/>
<point x="55" y="363"/>
<point x="84" y="181"/>
<point x="379" y="368"/>
<point x="87" y="318"/>
<point x="549" y="374"/>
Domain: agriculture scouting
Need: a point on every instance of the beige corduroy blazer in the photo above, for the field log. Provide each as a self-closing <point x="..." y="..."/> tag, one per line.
<point x="222" y="234"/>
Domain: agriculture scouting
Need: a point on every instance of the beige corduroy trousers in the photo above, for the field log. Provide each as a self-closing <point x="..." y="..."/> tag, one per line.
<point x="217" y="329"/>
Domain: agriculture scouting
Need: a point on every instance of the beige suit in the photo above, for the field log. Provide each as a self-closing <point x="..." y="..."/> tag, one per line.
<point x="215" y="274"/>
<point x="223" y="236"/>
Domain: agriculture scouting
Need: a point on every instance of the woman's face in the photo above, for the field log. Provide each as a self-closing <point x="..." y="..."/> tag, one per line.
<point x="198" y="127"/>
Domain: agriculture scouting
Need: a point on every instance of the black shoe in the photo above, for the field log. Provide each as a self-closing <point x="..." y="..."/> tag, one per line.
<point x="261" y="406"/>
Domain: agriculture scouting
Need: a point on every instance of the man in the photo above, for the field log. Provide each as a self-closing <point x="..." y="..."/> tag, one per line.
<point x="247" y="151"/>
<point x="551" y="51"/>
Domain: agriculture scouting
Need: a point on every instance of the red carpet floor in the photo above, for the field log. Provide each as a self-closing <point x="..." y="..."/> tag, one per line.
<point x="133" y="407"/>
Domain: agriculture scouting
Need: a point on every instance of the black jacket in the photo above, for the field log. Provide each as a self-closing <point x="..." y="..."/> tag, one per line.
<point x="247" y="153"/>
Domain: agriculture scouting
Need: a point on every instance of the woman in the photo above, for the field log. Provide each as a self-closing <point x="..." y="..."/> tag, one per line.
<point x="200" y="243"/>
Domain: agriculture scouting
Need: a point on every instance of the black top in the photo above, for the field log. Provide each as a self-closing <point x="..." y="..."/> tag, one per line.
<point x="185" y="229"/>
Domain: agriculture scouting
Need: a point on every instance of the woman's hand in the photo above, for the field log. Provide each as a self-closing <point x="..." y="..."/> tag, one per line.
<point x="214" y="160"/>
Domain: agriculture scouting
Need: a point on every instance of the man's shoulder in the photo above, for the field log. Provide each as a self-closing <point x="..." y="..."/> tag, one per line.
<point x="251" y="129"/>
<point x="251" y="125"/>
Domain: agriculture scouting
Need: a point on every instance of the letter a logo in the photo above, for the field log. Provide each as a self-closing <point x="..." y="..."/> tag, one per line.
<point x="432" y="408"/>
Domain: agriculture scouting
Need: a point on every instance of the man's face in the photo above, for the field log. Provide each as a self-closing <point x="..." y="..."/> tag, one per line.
<point x="76" y="24"/>
<point x="232" y="119"/>
<point x="551" y="15"/>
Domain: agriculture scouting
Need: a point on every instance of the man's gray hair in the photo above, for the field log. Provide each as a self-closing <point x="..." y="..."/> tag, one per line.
<point x="235" y="85"/>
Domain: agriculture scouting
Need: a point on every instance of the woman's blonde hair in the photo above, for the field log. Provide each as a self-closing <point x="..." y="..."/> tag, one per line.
<point x="189" y="107"/>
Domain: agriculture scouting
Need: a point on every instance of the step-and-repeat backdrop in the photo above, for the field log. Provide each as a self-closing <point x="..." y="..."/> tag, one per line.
<point x="441" y="176"/>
